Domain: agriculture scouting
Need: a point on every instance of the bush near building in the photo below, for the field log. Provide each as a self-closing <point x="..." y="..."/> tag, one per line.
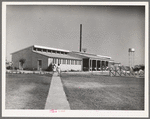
<point x="139" y="67"/>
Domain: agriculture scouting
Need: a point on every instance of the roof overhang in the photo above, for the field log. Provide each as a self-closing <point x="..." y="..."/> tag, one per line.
<point x="57" y="56"/>
<point x="50" y="48"/>
<point x="92" y="56"/>
<point x="104" y="56"/>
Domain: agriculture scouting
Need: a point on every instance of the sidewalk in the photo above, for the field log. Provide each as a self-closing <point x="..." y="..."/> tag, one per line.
<point x="56" y="98"/>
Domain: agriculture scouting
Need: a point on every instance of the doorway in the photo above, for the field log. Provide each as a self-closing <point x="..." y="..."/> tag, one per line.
<point x="39" y="65"/>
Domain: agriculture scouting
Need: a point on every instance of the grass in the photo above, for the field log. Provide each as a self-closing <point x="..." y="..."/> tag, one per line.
<point x="27" y="91"/>
<point x="89" y="92"/>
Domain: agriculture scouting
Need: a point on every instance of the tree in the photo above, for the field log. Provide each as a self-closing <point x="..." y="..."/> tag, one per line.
<point x="22" y="61"/>
<point x="139" y="67"/>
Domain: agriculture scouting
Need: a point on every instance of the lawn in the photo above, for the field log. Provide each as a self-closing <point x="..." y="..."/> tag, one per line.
<point x="27" y="91"/>
<point x="89" y="92"/>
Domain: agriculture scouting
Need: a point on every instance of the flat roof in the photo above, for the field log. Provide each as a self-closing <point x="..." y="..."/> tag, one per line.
<point x="104" y="56"/>
<point x="50" y="48"/>
<point x="62" y="56"/>
<point x="92" y="56"/>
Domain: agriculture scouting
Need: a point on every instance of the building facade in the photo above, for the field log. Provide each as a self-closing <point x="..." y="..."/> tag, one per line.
<point x="41" y="58"/>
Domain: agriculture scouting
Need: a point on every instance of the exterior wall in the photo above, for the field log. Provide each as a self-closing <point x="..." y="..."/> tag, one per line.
<point x="32" y="61"/>
<point x="36" y="57"/>
<point x="68" y="67"/>
<point x="25" y="54"/>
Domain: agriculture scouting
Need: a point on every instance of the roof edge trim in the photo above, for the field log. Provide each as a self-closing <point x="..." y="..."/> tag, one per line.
<point x="50" y="48"/>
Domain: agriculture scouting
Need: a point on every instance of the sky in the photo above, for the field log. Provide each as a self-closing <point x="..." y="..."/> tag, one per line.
<point x="106" y="30"/>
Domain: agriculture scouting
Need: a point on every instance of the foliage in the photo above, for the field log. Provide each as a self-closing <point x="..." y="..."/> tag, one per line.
<point x="9" y="67"/>
<point x="22" y="61"/>
<point x="50" y="68"/>
<point x="139" y="67"/>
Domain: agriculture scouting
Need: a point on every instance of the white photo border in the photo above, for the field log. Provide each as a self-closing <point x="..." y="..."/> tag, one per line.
<point x="77" y="113"/>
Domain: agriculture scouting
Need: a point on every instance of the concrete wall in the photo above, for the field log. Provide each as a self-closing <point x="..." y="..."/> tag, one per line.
<point x="36" y="57"/>
<point x="68" y="67"/>
<point x="25" y="54"/>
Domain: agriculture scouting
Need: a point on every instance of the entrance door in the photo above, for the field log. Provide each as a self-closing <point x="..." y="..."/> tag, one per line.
<point x="85" y="64"/>
<point x="39" y="65"/>
<point x="20" y="65"/>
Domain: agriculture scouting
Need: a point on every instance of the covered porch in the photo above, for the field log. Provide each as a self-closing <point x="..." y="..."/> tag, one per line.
<point x="90" y="64"/>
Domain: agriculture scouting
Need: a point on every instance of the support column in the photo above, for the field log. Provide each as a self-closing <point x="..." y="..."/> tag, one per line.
<point x="99" y="64"/>
<point x="89" y="64"/>
<point x="105" y="64"/>
<point x="81" y="64"/>
<point x="96" y="65"/>
<point x="102" y="65"/>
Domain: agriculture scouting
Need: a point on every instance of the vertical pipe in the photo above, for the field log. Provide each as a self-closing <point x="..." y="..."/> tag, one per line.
<point x="133" y="59"/>
<point x="89" y="64"/>
<point x="96" y="65"/>
<point x="80" y="37"/>
<point x="129" y="59"/>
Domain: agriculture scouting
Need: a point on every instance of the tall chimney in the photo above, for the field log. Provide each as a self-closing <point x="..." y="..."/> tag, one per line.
<point x="80" y="37"/>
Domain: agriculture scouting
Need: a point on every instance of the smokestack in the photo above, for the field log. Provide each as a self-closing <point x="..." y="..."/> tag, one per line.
<point x="80" y="37"/>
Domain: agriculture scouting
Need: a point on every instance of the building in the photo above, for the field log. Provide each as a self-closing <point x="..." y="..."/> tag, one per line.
<point x="41" y="58"/>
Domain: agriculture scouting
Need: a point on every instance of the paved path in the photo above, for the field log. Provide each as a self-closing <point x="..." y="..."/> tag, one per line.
<point x="56" y="98"/>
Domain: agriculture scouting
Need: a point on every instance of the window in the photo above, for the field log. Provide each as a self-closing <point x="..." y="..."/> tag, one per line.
<point x="44" y="50"/>
<point x="79" y="62"/>
<point x="59" y="61"/>
<point x="55" y="61"/>
<point x="53" y="51"/>
<point x="64" y="61"/>
<point x="75" y="62"/>
<point x="106" y="63"/>
<point x="34" y="49"/>
<point x="39" y="49"/>
<point x="68" y="61"/>
<point x="72" y="62"/>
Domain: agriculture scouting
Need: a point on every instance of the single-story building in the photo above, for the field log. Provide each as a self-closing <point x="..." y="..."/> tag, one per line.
<point x="41" y="58"/>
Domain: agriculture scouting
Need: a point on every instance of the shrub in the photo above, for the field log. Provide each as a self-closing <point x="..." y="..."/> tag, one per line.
<point x="49" y="68"/>
<point x="9" y="67"/>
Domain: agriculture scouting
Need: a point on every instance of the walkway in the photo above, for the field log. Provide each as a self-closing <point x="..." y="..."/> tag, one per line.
<point x="56" y="98"/>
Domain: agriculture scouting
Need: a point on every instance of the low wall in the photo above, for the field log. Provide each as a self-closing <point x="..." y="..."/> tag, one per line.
<point x="65" y="67"/>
